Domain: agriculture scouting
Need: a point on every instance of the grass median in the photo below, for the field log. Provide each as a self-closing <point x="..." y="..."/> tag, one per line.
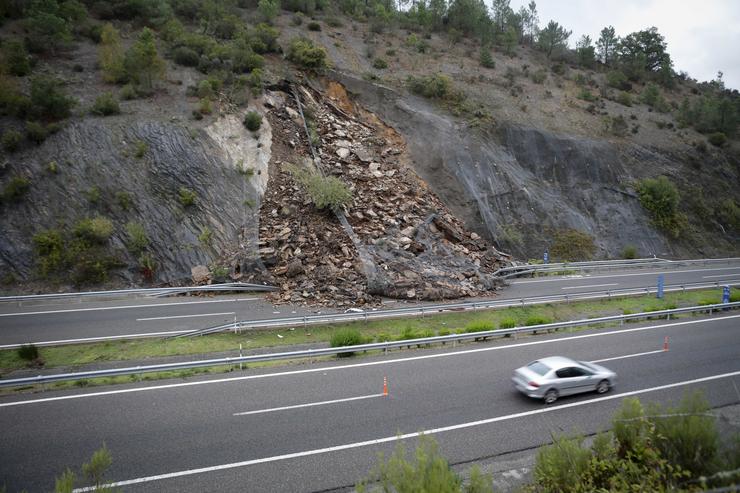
<point x="148" y="351"/>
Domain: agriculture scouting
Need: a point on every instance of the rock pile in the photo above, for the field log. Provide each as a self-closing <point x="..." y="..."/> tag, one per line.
<point x="411" y="246"/>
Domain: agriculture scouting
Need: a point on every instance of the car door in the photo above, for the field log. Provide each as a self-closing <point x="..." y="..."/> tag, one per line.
<point x="571" y="380"/>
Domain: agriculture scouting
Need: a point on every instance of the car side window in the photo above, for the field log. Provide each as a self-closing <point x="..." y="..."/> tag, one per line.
<point x="579" y="372"/>
<point x="565" y="373"/>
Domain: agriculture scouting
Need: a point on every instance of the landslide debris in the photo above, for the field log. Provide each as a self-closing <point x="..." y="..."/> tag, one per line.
<point x="406" y="244"/>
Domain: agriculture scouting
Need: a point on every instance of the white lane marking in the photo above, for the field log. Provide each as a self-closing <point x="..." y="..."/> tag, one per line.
<point x="592" y="286"/>
<point x="377" y="441"/>
<point x="624" y="275"/>
<point x="311" y="404"/>
<point x="102" y="308"/>
<point x="101" y="338"/>
<point x="186" y="316"/>
<point x="724" y="275"/>
<point x="628" y="356"/>
<point x="358" y="365"/>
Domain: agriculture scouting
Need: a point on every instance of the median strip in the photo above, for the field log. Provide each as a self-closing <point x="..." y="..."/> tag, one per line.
<point x="359" y="365"/>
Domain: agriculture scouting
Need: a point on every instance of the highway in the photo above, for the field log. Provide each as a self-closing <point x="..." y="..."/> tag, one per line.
<point x="310" y="428"/>
<point x="69" y="320"/>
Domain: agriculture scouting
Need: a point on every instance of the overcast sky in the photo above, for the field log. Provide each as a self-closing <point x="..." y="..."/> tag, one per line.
<point x="702" y="36"/>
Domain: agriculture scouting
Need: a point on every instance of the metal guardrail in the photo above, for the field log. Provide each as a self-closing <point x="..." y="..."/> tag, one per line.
<point x="429" y="309"/>
<point x="312" y="353"/>
<point x="232" y="286"/>
<point x="519" y="270"/>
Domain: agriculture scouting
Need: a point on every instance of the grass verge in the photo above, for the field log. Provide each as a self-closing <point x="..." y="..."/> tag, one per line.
<point x="140" y="350"/>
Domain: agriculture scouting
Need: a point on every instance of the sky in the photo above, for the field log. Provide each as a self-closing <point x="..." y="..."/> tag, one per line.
<point x="703" y="37"/>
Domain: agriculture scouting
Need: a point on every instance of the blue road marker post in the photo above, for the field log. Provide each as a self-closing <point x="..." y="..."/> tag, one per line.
<point x="546" y="257"/>
<point x="725" y="294"/>
<point x="661" y="284"/>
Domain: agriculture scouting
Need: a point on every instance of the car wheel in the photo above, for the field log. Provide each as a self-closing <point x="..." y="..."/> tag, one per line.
<point x="602" y="387"/>
<point x="551" y="396"/>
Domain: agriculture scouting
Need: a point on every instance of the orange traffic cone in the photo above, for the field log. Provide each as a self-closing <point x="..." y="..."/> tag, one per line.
<point x="665" y="344"/>
<point x="385" y="386"/>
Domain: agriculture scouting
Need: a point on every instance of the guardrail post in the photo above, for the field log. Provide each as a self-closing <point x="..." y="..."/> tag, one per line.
<point x="304" y="322"/>
<point x="240" y="355"/>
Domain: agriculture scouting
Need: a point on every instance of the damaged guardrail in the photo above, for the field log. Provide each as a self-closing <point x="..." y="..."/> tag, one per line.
<point x="313" y="353"/>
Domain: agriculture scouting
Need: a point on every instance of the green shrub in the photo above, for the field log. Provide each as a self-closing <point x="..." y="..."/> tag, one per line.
<point x="141" y="148"/>
<point x="717" y="139"/>
<point x="571" y="244"/>
<point x="479" y="326"/>
<point x="408" y="333"/>
<point x="437" y="86"/>
<point x="205" y="236"/>
<point x="618" y="80"/>
<point x="425" y="470"/>
<point x="205" y="89"/>
<point x="325" y="192"/>
<point x="314" y="26"/>
<point x="444" y="332"/>
<point x="624" y="98"/>
<point x="727" y="213"/>
<point x="558" y="465"/>
<point x="93" y="195"/>
<point x="539" y="76"/>
<point x="333" y="21"/>
<point x="17" y="61"/>
<point x="629" y="252"/>
<point x="380" y="64"/>
<point x="11" y="140"/>
<point x="16" y="188"/>
<point x="253" y="121"/>
<point x="36" y="132"/>
<point x="128" y="92"/>
<point x="137" y="240"/>
<point x="486" y="59"/>
<point x="95" y="231"/>
<point x="660" y="198"/>
<point x="105" y="105"/>
<point x="305" y="54"/>
<point x="537" y="320"/>
<point x="48" y="100"/>
<point x="586" y="95"/>
<point x="186" y="197"/>
<point x="507" y="323"/>
<point x="187" y="57"/>
<point x="28" y="352"/>
<point x="346" y="337"/>
<point x="52" y="167"/>
<point x="50" y="251"/>
<point x="124" y="200"/>
<point x="204" y="106"/>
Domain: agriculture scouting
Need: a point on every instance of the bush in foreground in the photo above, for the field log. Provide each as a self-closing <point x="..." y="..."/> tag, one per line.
<point x="346" y="337"/>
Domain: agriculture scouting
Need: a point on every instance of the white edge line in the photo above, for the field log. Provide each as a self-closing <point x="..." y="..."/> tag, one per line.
<point x="101" y="308"/>
<point x="358" y="365"/>
<point x="667" y="272"/>
<point x="311" y="404"/>
<point x="186" y="316"/>
<point x="724" y="275"/>
<point x="98" y="339"/>
<point x="629" y="356"/>
<point x="377" y="441"/>
<point x="591" y="286"/>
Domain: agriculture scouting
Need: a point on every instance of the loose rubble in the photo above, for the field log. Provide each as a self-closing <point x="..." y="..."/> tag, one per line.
<point x="413" y="247"/>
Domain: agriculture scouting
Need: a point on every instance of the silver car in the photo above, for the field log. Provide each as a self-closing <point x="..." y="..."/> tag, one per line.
<point x="550" y="378"/>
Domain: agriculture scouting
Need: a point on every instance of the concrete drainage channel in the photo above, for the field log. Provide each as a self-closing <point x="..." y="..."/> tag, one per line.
<point x="313" y="353"/>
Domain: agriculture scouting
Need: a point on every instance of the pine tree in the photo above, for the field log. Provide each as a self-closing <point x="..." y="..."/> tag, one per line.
<point x="111" y="55"/>
<point x="143" y="64"/>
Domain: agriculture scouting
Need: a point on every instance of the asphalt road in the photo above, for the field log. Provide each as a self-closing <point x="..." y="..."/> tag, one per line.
<point x="177" y="436"/>
<point x="79" y="320"/>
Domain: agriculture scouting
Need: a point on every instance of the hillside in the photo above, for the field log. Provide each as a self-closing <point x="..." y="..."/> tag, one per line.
<point x="188" y="141"/>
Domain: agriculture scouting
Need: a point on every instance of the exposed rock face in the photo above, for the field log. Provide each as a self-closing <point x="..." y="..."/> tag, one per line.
<point x="516" y="186"/>
<point x="149" y="161"/>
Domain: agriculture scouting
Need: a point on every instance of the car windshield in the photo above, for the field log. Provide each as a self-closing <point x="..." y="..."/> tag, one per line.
<point x="538" y="367"/>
